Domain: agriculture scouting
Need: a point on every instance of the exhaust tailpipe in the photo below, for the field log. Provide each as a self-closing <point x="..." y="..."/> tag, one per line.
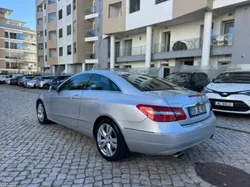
<point x="178" y="154"/>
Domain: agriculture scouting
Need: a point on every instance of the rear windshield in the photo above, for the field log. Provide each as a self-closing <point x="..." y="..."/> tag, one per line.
<point x="179" y="79"/>
<point x="234" y="77"/>
<point x="147" y="83"/>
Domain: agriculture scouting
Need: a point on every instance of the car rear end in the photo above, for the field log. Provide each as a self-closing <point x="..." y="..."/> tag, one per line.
<point x="175" y="120"/>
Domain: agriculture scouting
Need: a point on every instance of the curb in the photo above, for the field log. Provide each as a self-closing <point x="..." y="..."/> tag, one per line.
<point x="233" y="129"/>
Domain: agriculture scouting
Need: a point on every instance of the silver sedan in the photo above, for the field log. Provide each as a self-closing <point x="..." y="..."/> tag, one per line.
<point x="129" y="112"/>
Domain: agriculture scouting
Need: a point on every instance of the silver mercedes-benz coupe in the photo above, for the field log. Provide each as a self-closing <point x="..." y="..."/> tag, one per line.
<point x="129" y="112"/>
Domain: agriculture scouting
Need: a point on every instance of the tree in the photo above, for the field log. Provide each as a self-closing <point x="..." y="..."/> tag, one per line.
<point x="19" y="61"/>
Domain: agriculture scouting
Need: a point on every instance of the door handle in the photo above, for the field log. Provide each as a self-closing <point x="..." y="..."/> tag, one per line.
<point x="75" y="97"/>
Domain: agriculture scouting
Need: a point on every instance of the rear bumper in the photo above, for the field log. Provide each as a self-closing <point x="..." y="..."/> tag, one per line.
<point x="175" y="138"/>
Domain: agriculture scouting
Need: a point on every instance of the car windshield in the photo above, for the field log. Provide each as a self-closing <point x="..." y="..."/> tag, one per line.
<point x="146" y="83"/>
<point x="234" y="77"/>
<point x="179" y="79"/>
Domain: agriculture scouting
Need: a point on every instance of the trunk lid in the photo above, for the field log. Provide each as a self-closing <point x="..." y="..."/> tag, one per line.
<point x="185" y="99"/>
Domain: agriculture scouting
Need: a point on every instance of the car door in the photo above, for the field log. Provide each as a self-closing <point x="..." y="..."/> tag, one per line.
<point x="96" y="96"/>
<point x="65" y="103"/>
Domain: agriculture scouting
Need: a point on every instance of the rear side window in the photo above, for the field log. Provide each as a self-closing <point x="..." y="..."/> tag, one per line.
<point x="147" y="83"/>
<point x="99" y="82"/>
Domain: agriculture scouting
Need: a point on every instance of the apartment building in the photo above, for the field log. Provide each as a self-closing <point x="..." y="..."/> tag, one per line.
<point x="153" y="33"/>
<point x="17" y="45"/>
<point x="69" y="35"/>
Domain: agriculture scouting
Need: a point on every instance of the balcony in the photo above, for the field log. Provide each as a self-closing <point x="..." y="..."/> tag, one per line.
<point x="91" y="36"/>
<point x="222" y="40"/>
<point x="91" y="13"/>
<point x="134" y="51"/>
<point x="90" y="58"/>
<point x="24" y="39"/>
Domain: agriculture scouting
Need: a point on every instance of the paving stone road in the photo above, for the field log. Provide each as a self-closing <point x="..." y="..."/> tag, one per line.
<point x="36" y="155"/>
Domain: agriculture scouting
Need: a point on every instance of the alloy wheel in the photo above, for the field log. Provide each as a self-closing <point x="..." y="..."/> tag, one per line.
<point x="40" y="112"/>
<point x="107" y="140"/>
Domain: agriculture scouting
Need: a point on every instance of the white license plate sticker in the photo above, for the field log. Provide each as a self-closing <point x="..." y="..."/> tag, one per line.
<point x="227" y="104"/>
<point x="197" y="110"/>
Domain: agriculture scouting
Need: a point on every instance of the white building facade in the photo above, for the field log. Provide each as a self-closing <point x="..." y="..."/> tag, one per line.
<point x="153" y="33"/>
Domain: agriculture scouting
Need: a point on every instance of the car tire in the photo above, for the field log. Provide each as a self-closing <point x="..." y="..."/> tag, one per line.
<point x="46" y="86"/>
<point x="110" y="150"/>
<point x="41" y="113"/>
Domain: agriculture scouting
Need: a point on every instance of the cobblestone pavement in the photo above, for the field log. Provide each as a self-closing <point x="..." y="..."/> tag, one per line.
<point x="35" y="155"/>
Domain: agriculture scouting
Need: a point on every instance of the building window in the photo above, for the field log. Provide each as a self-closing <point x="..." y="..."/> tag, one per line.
<point x="40" y="46"/>
<point x="115" y="10"/>
<point x="61" y="51"/>
<point x="134" y="6"/>
<point x="69" y="9"/>
<point x="228" y="27"/>
<point x="127" y="66"/>
<point x="6" y="35"/>
<point x="74" y="4"/>
<point x="68" y="30"/>
<point x="51" y="1"/>
<point x="39" y="21"/>
<point x="52" y="53"/>
<point x="69" y="49"/>
<point x="40" y="34"/>
<point x="44" y="6"/>
<point x="60" y="33"/>
<point x="52" y="35"/>
<point x="46" y="58"/>
<point x="7" y="45"/>
<point x="60" y="14"/>
<point x="75" y="47"/>
<point x="159" y="1"/>
<point x="74" y="26"/>
<point x="45" y="32"/>
<point x="52" y="17"/>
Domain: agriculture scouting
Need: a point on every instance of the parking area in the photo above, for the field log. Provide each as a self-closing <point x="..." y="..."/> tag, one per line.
<point x="35" y="155"/>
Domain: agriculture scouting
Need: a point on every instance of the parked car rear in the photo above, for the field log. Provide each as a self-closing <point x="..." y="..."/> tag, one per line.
<point x="24" y="80"/>
<point x="195" y="81"/>
<point x="44" y="82"/>
<point x="14" y="81"/>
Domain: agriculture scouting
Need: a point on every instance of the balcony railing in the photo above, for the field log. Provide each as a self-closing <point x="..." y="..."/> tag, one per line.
<point x="179" y="45"/>
<point x="91" y="33"/>
<point x="90" y="56"/>
<point x="90" y="10"/>
<point x="222" y="40"/>
<point x="134" y="51"/>
<point x="23" y="39"/>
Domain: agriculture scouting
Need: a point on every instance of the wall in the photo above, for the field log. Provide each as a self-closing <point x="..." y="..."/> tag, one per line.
<point x="65" y="40"/>
<point x="241" y="43"/>
<point x="113" y="25"/>
<point x="223" y="3"/>
<point x="149" y="14"/>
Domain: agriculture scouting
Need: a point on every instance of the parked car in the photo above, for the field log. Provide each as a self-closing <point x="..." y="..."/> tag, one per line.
<point x="32" y="83"/>
<point x="24" y="80"/>
<point x="14" y="81"/>
<point x="6" y="79"/>
<point x="44" y="82"/>
<point x="195" y="81"/>
<point x="58" y="80"/>
<point x="230" y="92"/>
<point x="130" y="112"/>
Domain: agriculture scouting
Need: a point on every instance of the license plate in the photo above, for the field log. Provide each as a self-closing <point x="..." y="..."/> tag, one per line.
<point x="227" y="104"/>
<point x="197" y="110"/>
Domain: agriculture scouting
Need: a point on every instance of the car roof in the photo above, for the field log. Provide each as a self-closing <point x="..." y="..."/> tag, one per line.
<point x="237" y="71"/>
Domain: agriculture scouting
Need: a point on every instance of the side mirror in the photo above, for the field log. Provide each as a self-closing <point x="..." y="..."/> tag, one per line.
<point x="53" y="88"/>
<point x="212" y="80"/>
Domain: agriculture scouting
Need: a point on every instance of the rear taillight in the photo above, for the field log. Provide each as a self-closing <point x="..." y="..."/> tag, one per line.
<point x="162" y="114"/>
